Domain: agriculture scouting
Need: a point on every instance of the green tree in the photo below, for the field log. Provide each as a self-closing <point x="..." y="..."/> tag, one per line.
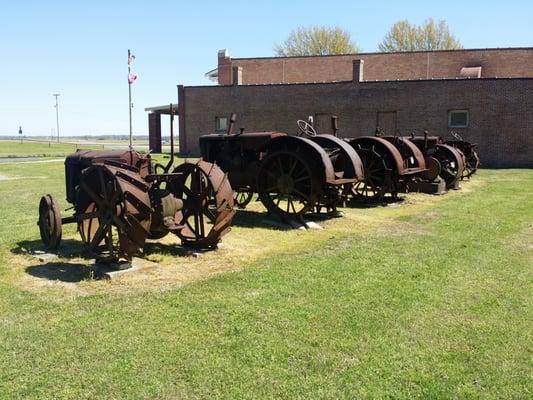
<point x="431" y="35"/>
<point x="316" y="40"/>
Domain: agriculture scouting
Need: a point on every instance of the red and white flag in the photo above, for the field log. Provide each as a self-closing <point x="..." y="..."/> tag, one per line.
<point x="131" y="58"/>
<point x="132" y="76"/>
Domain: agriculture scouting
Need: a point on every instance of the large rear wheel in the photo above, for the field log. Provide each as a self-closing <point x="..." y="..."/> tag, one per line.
<point x="373" y="186"/>
<point x="471" y="165"/>
<point x="287" y="185"/>
<point x="113" y="212"/>
<point x="207" y="203"/>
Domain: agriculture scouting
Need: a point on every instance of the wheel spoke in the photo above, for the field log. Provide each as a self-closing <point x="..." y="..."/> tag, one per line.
<point x="302" y="179"/>
<point x="88" y="215"/>
<point x="109" y="238"/>
<point x="209" y="214"/>
<point x="300" y="194"/>
<point x="201" y="222"/>
<point x="293" y="208"/>
<point x="271" y="188"/>
<point x="294" y="163"/>
<point x="98" y="236"/>
<point x="280" y="165"/>
<point x="102" y="183"/>
<point x="92" y="195"/>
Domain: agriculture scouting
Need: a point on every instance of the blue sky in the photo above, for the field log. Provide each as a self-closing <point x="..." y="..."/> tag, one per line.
<point x="79" y="48"/>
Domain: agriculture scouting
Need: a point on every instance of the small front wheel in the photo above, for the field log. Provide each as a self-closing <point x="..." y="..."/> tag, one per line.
<point x="50" y="222"/>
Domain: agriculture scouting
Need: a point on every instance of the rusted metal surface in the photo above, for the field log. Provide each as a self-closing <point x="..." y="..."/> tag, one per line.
<point x="472" y="161"/>
<point x="207" y="203"/>
<point x="121" y="199"/>
<point x="50" y="222"/>
<point x="292" y="175"/>
<point x="446" y="160"/>
<point x="117" y="209"/>
<point x="411" y="154"/>
<point x="346" y="162"/>
<point x="386" y="171"/>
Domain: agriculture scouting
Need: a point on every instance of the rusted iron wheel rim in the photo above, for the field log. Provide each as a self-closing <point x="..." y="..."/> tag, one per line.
<point x="242" y="197"/>
<point x="208" y="205"/>
<point x="451" y="163"/>
<point x="50" y="222"/>
<point x="286" y="185"/>
<point x="375" y="170"/>
<point x="471" y="165"/>
<point x="113" y="212"/>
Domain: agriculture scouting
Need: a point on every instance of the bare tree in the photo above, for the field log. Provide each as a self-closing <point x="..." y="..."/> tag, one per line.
<point x="316" y="40"/>
<point x="431" y="35"/>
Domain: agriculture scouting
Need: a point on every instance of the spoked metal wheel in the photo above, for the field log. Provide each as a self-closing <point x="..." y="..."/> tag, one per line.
<point x="242" y="197"/>
<point x="451" y="162"/>
<point x="286" y="185"/>
<point x="373" y="186"/>
<point x="50" y="222"/>
<point x="207" y="203"/>
<point x="113" y="212"/>
<point x="471" y="165"/>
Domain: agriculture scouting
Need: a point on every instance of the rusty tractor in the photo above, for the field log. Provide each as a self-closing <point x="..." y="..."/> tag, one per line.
<point x="469" y="150"/>
<point x="442" y="160"/>
<point x="390" y="165"/>
<point x="292" y="175"/>
<point x="122" y="198"/>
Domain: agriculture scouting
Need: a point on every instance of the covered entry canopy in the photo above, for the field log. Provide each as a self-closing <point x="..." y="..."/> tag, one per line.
<point x="154" y="124"/>
<point x="163" y="109"/>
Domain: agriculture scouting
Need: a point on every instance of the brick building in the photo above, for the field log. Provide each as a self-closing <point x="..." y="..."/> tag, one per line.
<point x="486" y="95"/>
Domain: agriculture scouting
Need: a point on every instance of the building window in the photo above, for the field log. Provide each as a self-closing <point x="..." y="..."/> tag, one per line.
<point x="221" y="124"/>
<point x="458" y="118"/>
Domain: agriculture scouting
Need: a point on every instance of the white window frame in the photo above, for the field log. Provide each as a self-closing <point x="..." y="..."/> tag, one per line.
<point x="450" y="112"/>
<point x="218" y="125"/>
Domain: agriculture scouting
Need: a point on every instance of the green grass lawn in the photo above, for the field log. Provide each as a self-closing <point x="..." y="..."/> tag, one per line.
<point x="12" y="148"/>
<point x="428" y="299"/>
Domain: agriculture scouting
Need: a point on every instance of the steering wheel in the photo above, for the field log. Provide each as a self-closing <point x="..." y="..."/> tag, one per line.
<point x="456" y="135"/>
<point x="306" y="127"/>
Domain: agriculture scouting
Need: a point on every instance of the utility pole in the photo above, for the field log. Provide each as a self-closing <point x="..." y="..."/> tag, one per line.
<point x="56" y="95"/>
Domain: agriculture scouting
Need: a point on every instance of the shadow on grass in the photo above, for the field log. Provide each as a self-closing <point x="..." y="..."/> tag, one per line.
<point x="172" y="249"/>
<point x="69" y="248"/>
<point x="62" y="271"/>
<point x="257" y="219"/>
<point x="369" y="203"/>
<point x="251" y="219"/>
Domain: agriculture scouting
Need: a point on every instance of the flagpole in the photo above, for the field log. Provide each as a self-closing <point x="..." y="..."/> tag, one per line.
<point x="129" y="96"/>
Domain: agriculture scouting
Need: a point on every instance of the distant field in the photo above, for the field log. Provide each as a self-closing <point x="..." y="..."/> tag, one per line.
<point x="12" y="148"/>
<point x="429" y="298"/>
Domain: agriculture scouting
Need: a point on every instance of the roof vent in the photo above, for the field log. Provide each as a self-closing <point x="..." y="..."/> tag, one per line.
<point x="470" y="72"/>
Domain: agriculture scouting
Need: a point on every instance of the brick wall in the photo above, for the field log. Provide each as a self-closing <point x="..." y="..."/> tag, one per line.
<point x="501" y="110"/>
<point x="517" y="62"/>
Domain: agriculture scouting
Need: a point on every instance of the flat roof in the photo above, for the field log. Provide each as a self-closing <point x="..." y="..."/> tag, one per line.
<point x="385" y="53"/>
<point x="163" y="109"/>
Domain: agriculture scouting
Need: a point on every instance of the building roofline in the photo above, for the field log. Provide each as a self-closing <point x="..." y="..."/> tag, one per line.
<point x="458" y="79"/>
<point x="376" y="53"/>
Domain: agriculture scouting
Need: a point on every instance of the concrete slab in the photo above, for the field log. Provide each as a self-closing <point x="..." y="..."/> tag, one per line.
<point x="313" y="225"/>
<point x="114" y="270"/>
<point x="43" y="256"/>
<point x="438" y="186"/>
<point x="289" y="225"/>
